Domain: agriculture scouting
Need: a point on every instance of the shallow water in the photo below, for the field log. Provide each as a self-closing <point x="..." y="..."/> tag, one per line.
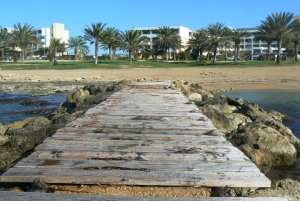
<point x="15" y="107"/>
<point x="284" y="101"/>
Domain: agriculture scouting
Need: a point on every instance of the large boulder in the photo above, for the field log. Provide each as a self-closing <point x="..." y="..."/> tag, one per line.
<point x="195" y="97"/>
<point x="272" y="119"/>
<point x="262" y="137"/>
<point x="225" y="121"/>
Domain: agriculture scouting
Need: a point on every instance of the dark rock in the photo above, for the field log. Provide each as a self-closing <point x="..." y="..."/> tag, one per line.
<point x="34" y="102"/>
<point x="267" y="139"/>
<point x="38" y="111"/>
<point x="235" y="102"/>
<point x="226" y="122"/>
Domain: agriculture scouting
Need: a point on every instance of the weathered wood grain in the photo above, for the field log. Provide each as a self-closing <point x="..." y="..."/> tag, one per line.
<point x="138" y="177"/>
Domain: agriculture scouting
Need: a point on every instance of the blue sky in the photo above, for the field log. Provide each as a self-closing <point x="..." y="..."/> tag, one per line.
<point x="125" y="14"/>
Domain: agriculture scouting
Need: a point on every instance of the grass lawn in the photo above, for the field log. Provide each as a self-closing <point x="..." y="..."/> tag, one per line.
<point x="70" y="65"/>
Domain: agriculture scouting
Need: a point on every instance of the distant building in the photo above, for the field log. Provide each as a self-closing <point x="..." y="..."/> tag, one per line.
<point x="58" y="31"/>
<point x="151" y="32"/>
<point x="255" y="47"/>
<point x="45" y="36"/>
<point x="297" y="17"/>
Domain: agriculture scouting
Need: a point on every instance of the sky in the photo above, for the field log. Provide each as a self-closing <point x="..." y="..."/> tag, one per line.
<point x="125" y="14"/>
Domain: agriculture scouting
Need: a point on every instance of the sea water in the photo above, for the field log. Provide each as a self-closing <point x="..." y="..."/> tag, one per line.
<point x="285" y="101"/>
<point x="16" y="107"/>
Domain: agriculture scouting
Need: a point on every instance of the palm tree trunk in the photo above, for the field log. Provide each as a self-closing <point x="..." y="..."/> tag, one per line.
<point x="130" y="57"/>
<point x="166" y="53"/>
<point x="269" y="49"/>
<point x="235" y="53"/>
<point x="238" y="52"/>
<point x="215" y="54"/>
<point x="3" y="54"/>
<point x="96" y="51"/>
<point x="110" y="53"/>
<point x="174" y="55"/>
<point x="200" y="54"/>
<point x="76" y="54"/>
<point x="279" y="50"/>
<point x="23" y="56"/>
<point x="296" y="51"/>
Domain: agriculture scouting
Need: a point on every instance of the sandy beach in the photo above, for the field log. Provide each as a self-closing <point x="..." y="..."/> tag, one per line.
<point x="212" y="78"/>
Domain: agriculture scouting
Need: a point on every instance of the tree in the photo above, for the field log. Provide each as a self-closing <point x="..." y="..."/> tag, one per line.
<point x="237" y="37"/>
<point x="3" y="40"/>
<point x="111" y="41"/>
<point x="217" y="32"/>
<point x="166" y="38"/>
<point x="23" y="36"/>
<point x="95" y="35"/>
<point x="266" y="34"/>
<point x="55" y="45"/>
<point x="132" y="41"/>
<point x="79" y="45"/>
<point x="198" y="42"/>
<point x="282" y="25"/>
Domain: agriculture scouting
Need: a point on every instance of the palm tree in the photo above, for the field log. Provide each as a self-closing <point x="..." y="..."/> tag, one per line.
<point x="3" y="40"/>
<point x="217" y="32"/>
<point x="79" y="45"/>
<point x="198" y="42"/>
<point x="266" y="34"/>
<point x="166" y="38"/>
<point x="282" y="25"/>
<point x="23" y="36"/>
<point x="111" y="41"/>
<point x="237" y="37"/>
<point x="132" y="41"/>
<point x="95" y="35"/>
<point x="55" y="46"/>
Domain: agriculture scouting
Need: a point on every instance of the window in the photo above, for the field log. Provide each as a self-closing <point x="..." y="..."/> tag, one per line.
<point x="39" y="31"/>
<point x="145" y="31"/>
<point x="154" y="31"/>
<point x="177" y="31"/>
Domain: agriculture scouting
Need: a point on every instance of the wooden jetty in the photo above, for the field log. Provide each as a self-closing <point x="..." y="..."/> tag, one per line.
<point x="144" y="135"/>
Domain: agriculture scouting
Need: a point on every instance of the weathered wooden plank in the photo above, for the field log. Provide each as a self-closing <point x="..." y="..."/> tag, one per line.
<point x="58" y="164"/>
<point x="35" y="196"/>
<point x="136" y="148"/>
<point x="88" y="136"/>
<point x="115" y="156"/>
<point x="206" y="131"/>
<point x="138" y="177"/>
<point x="215" y="141"/>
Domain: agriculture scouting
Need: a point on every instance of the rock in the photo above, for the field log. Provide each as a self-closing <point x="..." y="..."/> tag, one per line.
<point x="78" y="96"/>
<point x="34" y="102"/>
<point x="262" y="137"/>
<point x="235" y="102"/>
<point x="2" y="129"/>
<point x="195" y="97"/>
<point x="23" y="123"/>
<point x="93" y="89"/>
<point x="261" y="157"/>
<point x="3" y="139"/>
<point x="226" y="122"/>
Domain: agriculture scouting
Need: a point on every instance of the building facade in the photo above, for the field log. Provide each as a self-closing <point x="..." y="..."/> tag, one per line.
<point x="255" y="47"/>
<point x="151" y="32"/>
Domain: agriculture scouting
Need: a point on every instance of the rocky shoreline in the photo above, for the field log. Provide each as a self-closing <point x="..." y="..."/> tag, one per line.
<point x="259" y="134"/>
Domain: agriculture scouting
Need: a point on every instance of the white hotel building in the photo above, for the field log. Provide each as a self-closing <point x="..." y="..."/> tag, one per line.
<point x="151" y="32"/>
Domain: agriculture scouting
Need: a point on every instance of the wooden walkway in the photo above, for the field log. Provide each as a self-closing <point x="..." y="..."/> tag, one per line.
<point x="145" y="135"/>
